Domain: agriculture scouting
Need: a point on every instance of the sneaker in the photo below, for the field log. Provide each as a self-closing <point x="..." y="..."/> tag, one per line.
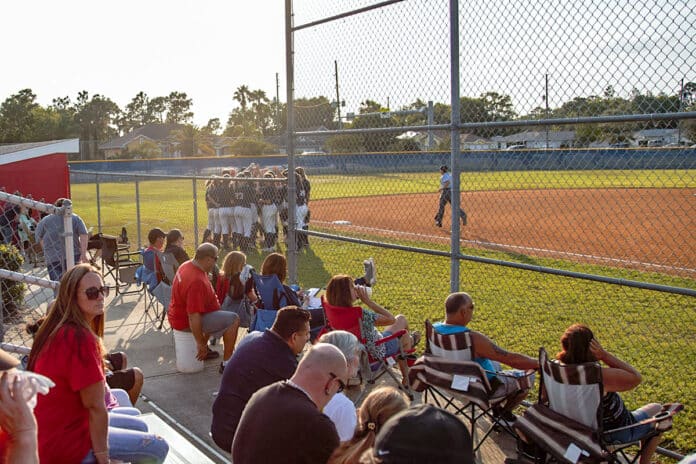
<point x="370" y="271"/>
<point x="438" y="224"/>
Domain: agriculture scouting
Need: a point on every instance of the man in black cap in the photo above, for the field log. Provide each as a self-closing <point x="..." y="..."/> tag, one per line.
<point x="423" y="434"/>
<point x="446" y="196"/>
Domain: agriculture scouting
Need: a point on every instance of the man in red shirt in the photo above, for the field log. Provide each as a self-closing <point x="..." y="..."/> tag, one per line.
<point x="195" y="307"/>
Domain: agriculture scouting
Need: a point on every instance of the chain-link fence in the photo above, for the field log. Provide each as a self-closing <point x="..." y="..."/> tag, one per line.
<point x="32" y="257"/>
<point x="566" y="132"/>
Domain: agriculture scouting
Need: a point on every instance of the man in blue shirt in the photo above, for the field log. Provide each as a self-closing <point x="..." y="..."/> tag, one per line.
<point x="459" y="309"/>
<point x="51" y="232"/>
<point x="261" y="358"/>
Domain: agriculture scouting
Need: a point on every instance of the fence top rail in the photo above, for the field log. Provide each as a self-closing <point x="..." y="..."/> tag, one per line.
<point x="29" y="203"/>
<point x="171" y="176"/>
<point x="514" y="123"/>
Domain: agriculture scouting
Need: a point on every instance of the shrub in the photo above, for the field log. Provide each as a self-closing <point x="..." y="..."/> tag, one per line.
<point x="12" y="291"/>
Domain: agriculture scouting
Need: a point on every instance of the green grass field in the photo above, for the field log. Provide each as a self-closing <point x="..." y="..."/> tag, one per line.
<point x="520" y="310"/>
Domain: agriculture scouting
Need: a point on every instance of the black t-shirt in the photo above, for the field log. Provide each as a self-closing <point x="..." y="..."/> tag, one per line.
<point x="260" y="359"/>
<point x="280" y="424"/>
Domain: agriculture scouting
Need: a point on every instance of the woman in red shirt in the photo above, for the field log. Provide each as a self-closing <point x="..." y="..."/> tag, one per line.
<point x="72" y="419"/>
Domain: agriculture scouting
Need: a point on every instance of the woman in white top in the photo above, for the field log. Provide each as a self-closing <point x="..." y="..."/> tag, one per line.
<point x="341" y="409"/>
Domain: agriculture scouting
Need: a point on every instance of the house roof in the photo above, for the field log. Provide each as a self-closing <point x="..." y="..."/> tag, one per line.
<point x="531" y="136"/>
<point x="155" y="132"/>
<point x="24" y="151"/>
<point x="647" y="133"/>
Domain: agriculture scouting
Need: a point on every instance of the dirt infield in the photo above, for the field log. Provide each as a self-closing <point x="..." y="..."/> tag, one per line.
<point x="647" y="229"/>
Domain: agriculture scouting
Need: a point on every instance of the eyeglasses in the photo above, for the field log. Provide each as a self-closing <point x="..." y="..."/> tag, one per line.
<point x="93" y="292"/>
<point x="341" y="384"/>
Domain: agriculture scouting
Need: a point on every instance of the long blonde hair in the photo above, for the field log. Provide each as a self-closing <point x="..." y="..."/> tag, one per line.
<point x="64" y="311"/>
<point x="381" y="404"/>
<point x="233" y="263"/>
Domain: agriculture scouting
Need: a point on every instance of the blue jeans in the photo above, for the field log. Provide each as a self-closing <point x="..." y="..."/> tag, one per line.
<point x="56" y="269"/>
<point x="633" y="434"/>
<point x="134" y="447"/>
<point x="392" y="346"/>
<point x="123" y="420"/>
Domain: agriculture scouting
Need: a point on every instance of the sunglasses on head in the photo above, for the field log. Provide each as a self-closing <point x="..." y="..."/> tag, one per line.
<point x="93" y="292"/>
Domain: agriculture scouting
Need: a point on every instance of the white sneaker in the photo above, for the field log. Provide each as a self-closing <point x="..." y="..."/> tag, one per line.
<point x="370" y="271"/>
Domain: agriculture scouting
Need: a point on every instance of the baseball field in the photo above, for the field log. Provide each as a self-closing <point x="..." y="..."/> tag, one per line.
<point x="629" y="224"/>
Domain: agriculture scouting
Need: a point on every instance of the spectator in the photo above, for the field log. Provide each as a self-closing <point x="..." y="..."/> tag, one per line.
<point x="25" y="229"/>
<point x="175" y="246"/>
<point x="118" y="375"/>
<point x="156" y="238"/>
<point x="423" y="434"/>
<point x="341" y="409"/>
<point x="8" y="215"/>
<point x="235" y="278"/>
<point x="194" y="306"/>
<point x="380" y="405"/>
<point x="275" y="263"/>
<point x="580" y="346"/>
<point x="260" y="359"/>
<point x="50" y="232"/>
<point x="72" y="417"/>
<point x="18" y="442"/>
<point x="459" y="310"/>
<point x="283" y="421"/>
<point x="342" y="292"/>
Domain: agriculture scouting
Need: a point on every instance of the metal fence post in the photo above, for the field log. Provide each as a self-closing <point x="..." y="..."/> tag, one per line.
<point x="195" y="213"/>
<point x="68" y="234"/>
<point x="99" y="224"/>
<point x="292" y="203"/>
<point x="137" y="210"/>
<point x="454" y="137"/>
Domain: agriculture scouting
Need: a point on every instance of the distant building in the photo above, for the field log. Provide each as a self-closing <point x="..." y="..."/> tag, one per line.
<point x="536" y="140"/>
<point x="161" y="135"/>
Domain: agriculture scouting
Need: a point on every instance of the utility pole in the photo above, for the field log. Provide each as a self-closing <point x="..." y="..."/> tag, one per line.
<point x="546" y="99"/>
<point x="338" y="99"/>
<point x="277" y="110"/>
<point x="431" y="140"/>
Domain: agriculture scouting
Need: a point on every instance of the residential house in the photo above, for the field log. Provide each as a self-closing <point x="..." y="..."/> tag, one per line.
<point x="160" y="134"/>
<point x="536" y="140"/>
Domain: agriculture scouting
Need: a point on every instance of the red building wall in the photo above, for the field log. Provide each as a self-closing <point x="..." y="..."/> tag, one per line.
<point x="43" y="177"/>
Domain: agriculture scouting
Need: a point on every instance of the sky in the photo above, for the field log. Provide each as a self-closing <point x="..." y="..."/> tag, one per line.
<point x="206" y="48"/>
<point x="396" y="54"/>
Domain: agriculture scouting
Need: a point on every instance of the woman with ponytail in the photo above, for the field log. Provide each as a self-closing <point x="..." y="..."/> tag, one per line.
<point x="381" y="404"/>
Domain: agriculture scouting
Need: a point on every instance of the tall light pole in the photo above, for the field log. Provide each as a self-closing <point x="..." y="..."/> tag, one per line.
<point x="546" y="99"/>
<point x="338" y="99"/>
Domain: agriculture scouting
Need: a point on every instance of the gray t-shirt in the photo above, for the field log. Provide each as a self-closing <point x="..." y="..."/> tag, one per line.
<point x="50" y="232"/>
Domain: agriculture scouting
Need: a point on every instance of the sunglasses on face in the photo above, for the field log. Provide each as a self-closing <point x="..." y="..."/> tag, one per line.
<point x="341" y="385"/>
<point x="93" y="292"/>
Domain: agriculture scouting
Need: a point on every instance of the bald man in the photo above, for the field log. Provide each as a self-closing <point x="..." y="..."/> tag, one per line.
<point x="459" y="310"/>
<point x="195" y="308"/>
<point x="283" y="422"/>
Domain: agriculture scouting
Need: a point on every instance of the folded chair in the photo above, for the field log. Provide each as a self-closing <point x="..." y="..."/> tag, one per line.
<point x="158" y="291"/>
<point x="448" y="375"/>
<point x="119" y="263"/>
<point x="567" y="420"/>
<point x="371" y="368"/>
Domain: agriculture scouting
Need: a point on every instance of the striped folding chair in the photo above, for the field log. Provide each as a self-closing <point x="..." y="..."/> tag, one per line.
<point x="448" y="376"/>
<point x="567" y="420"/>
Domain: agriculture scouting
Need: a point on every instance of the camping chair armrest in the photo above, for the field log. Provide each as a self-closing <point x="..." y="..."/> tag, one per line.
<point x="398" y="334"/>
<point x="668" y="411"/>
<point x="527" y="373"/>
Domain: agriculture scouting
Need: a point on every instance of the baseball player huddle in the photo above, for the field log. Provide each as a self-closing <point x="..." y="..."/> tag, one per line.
<point x="243" y="205"/>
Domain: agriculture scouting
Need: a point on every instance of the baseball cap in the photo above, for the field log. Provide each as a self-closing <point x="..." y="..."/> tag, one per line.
<point x="7" y="361"/>
<point x="424" y="434"/>
<point x="444" y="168"/>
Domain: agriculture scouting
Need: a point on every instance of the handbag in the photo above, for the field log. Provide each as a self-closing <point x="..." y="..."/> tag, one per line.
<point x="241" y="307"/>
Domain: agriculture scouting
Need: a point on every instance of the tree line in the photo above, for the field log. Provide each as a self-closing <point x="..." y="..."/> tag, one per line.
<point x="96" y="119"/>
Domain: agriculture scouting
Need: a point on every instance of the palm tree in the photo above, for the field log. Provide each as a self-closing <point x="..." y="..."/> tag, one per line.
<point x="242" y="95"/>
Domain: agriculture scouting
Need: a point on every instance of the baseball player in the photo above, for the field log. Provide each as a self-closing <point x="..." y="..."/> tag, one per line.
<point x="446" y="196"/>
